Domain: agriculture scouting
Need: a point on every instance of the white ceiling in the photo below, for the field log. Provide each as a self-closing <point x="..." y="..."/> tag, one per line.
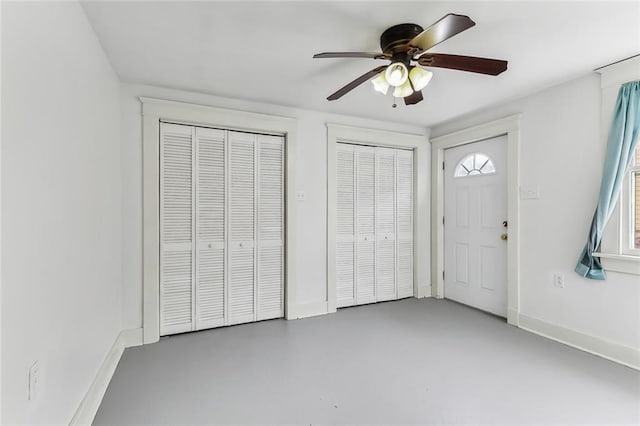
<point x="263" y="51"/>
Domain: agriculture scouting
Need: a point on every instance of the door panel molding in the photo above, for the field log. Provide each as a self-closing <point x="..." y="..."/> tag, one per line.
<point x="509" y="126"/>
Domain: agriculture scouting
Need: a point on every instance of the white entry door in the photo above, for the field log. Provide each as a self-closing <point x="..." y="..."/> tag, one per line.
<point x="475" y="227"/>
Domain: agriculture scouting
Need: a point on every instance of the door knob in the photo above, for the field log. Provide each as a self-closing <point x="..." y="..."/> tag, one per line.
<point x="504" y="237"/>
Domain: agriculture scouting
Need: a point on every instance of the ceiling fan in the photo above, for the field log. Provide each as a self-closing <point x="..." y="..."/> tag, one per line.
<point x="406" y="45"/>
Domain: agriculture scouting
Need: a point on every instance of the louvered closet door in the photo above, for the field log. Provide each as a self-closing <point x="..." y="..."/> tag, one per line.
<point x="176" y="228"/>
<point x="210" y="228"/>
<point x="366" y="218"/>
<point x="242" y="218"/>
<point x="405" y="223"/>
<point x="345" y="225"/>
<point x="386" y="224"/>
<point x="270" y="289"/>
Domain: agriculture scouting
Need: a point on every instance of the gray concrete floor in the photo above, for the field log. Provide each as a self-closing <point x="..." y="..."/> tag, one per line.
<point x="413" y="361"/>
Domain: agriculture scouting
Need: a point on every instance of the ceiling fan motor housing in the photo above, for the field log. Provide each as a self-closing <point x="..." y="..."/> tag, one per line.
<point x="394" y="39"/>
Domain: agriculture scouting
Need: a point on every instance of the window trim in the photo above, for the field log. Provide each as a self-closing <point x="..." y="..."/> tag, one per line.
<point x="615" y="252"/>
<point x="627" y="220"/>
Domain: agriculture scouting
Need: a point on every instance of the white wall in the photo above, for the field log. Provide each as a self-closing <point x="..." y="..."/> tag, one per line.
<point x="562" y="152"/>
<point x="311" y="177"/>
<point x="61" y="217"/>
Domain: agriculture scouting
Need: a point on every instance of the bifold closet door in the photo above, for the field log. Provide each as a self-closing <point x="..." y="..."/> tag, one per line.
<point x="366" y="225"/>
<point x="345" y="225"/>
<point x="374" y="224"/>
<point x="221" y="227"/>
<point x="176" y="228"/>
<point x="256" y="193"/>
<point x="242" y="229"/>
<point x="210" y="228"/>
<point x="404" y="221"/>
<point x="270" y="221"/>
<point x="386" y="224"/>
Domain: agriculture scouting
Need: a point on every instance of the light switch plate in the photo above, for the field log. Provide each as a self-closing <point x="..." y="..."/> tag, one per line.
<point x="530" y="193"/>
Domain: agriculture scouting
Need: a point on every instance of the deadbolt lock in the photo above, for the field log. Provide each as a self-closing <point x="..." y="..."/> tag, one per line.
<point x="505" y="223"/>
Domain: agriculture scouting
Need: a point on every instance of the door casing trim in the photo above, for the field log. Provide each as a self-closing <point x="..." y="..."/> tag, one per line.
<point x="153" y="112"/>
<point x="509" y="126"/>
<point x="337" y="133"/>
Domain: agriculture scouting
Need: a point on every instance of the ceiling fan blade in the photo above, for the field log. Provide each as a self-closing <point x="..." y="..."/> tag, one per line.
<point x="413" y="98"/>
<point x="357" y="82"/>
<point x="372" y="55"/>
<point x="445" y="28"/>
<point x="463" y="63"/>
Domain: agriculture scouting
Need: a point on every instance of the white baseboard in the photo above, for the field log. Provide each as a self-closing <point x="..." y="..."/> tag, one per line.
<point x="423" y="291"/>
<point x="132" y="337"/>
<point x="88" y="408"/>
<point x="305" y="310"/>
<point x="616" y="352"/>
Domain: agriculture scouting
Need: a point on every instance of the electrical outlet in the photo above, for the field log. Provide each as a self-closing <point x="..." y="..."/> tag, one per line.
<point x="34" y="380"/>
<point x="558" y="280"/>
<point x="300" y="196"/>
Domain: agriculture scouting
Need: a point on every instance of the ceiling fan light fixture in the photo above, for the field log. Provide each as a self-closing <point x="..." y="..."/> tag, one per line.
<point x="403" y="91"/>
<point x="396" y="74"/>
<point x="420" y="77"/>
<point x="380" y="84"/>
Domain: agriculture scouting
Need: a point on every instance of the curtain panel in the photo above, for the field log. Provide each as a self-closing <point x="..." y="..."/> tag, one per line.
<point x="622" y="140"/>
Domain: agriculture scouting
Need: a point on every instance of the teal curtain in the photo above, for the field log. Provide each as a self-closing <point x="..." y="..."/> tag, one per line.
<point x="623" y="137"/>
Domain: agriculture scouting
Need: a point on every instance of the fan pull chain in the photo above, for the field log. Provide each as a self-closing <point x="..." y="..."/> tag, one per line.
<point x="394" y="103"/>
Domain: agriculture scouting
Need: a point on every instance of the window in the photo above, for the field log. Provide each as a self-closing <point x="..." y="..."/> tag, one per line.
<point x="474" y="164"/>
<point x="620" y="247"/>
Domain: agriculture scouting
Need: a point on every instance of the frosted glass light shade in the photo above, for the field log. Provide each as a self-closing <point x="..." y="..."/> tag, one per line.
<point x="420" y="77"/>
<point x="396" y="74"/>
<point x="380" y="84"/>
<point x="403" y="91"/>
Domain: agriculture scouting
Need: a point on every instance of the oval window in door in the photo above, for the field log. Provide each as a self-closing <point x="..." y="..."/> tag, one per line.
<point x="473" y="165"/>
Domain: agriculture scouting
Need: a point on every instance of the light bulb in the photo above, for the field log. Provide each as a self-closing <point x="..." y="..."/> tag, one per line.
<point x="420" y="77"/>
<point x="380" y="84"/>
<point x="403" y="91"/>
<point x="396" y="74"/>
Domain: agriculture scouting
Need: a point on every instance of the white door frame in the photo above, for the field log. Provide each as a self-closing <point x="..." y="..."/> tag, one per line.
<point x="156" y="110"/>
<point x="509" y="126"/>
<point x="337" y="133"/>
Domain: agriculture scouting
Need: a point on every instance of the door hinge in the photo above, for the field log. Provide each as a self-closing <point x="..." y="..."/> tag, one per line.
<point x="443" y="165"/>
<point x="443" y="220"/>
<point x="442" y="275"/>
